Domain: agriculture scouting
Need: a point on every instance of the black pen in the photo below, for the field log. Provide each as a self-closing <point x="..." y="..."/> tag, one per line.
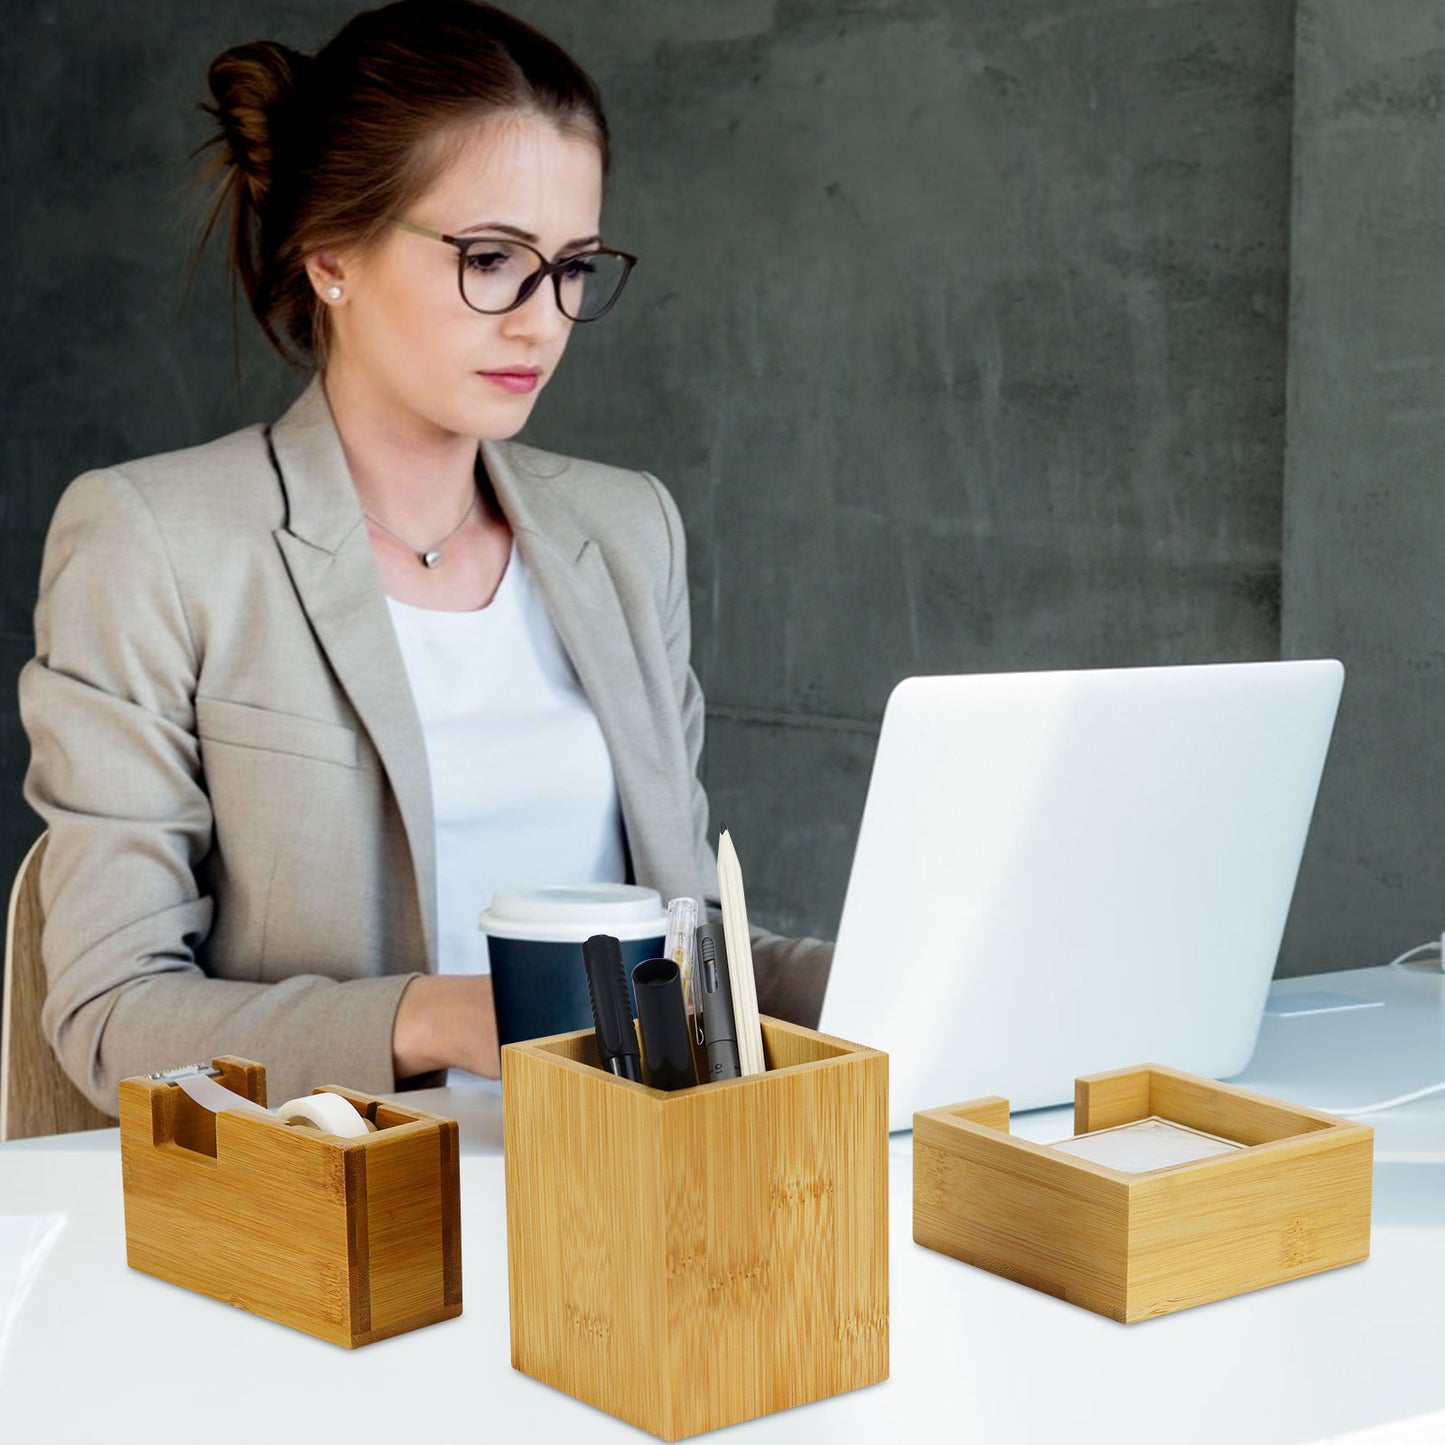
<point x="611" y="1012"/>
<point x="714" y="989"/>
<point x="662" y="1017"/>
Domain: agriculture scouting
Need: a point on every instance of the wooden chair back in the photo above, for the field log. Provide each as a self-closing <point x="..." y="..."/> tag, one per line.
<point x="36" y="1095"/>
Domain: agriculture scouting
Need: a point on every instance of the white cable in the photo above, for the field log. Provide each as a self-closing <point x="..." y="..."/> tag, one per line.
<point x="1390" y="1103"/>
<point x="1426" y="948"/>
<point x="1436" y="946"/>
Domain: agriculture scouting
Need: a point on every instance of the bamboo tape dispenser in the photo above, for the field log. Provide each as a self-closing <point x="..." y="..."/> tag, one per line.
<point x="340" y="1214"/>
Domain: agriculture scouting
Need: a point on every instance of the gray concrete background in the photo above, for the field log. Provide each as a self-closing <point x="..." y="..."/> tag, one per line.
<point x="1364" y="556"/>
<point x="960" y="336"/>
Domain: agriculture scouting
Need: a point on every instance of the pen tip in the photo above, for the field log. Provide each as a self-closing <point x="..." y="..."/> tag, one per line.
<point x="722" y="830"/>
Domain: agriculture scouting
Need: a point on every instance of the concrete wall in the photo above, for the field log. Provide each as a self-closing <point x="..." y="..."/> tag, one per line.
<point x="1364" y="557"/>
<point x="959" y="335"/>
<point x="960" y="338"/>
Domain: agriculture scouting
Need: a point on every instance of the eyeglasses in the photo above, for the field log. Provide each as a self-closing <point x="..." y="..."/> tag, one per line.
<point x="496" y="274"/>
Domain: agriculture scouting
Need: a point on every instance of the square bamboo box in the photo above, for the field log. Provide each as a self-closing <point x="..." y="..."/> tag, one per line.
<point x="691" y="1259"/>
<point x="1294" y="1201"/>
<point x="353" y="1240"/>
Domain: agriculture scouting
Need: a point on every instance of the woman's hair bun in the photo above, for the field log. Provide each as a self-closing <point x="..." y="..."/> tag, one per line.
<point x="314" y="153"/>
<point x="255" y="88"/>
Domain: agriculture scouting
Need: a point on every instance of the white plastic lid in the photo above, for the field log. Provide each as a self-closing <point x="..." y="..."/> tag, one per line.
<point x="572" y="913"/>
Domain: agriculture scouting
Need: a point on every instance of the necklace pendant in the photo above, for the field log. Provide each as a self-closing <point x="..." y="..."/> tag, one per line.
<point x="432" y="558"/>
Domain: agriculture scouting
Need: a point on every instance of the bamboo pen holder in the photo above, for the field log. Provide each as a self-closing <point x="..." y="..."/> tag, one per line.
<point x="353" y="1240"/>
<point x="1293" y="1200"/>
<point x="691" y="1259"/>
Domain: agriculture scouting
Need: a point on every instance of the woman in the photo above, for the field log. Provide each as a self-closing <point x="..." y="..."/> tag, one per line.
<point x="288" y="680"/>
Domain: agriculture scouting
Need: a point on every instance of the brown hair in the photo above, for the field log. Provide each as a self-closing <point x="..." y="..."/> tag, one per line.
<point x="327" y="150"/>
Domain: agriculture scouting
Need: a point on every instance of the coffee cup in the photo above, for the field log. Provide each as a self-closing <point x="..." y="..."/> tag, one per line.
<point x="534" y="942"/>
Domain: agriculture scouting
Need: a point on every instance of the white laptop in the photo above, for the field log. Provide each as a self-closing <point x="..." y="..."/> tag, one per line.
<point x="1060" y="873"/>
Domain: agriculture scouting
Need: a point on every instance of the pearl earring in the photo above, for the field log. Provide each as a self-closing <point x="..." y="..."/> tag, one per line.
<point x="333" y="293"/>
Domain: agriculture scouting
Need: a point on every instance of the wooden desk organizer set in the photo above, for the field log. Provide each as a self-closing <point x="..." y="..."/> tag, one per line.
<point x="691" y="1259"/>
<point x="353" y="1240"/>
<point x="1294" y="1201"/>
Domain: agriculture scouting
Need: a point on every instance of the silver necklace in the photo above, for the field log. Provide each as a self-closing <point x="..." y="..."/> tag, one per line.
<point x="432" y="556"/>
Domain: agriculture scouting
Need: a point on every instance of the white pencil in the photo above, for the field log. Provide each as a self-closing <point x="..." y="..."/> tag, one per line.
<point x="740" y="957"/>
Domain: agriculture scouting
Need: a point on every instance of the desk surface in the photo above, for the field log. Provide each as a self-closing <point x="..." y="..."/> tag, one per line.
<point x="101" y="1353"/>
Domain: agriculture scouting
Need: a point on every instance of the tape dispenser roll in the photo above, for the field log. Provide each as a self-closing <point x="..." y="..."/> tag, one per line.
<point x="328" y="1112"/>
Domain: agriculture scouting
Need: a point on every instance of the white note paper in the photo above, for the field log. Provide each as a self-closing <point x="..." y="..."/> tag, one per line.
<point x="1146" y="1144"/>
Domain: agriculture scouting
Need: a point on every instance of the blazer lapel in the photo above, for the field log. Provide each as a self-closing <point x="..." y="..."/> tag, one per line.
<point x="592" y="621"/>
<point x="327" y="553"/>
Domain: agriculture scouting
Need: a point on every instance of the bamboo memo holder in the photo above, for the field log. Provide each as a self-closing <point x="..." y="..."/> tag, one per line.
<point x="353" y="1240"/>
<point x="687" y="1260"/>
<point x="1294" y="1201"/>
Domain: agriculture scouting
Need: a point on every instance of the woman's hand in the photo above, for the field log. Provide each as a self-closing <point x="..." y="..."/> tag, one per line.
<point x="446" y="1021"/>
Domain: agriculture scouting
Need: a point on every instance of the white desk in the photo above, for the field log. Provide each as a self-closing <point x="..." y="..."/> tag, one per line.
<point x="101" y="1353"/>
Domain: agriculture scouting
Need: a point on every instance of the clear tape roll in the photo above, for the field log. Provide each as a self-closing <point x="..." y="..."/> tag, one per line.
<point x="215" y="1096"/>
<point x="328" y="1112"/>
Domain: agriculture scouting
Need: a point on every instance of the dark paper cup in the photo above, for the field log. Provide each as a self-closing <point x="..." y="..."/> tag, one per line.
<point x="534" y="942"/>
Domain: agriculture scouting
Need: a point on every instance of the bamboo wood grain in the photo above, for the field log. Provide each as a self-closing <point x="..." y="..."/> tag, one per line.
<point x="1268" y="1215"/>
<point x="991" y="1111"/>
<point x="688" y="1260"/>
<point x="1102" y="1101"/>
<point x="787" y="1046"/>
<point x="36" y="1095"/>
<point x="1294" y="1201"/>
<point x="1231" y="1113"/>
<point x="353" y="1240"/>
<point x="1024" y="1213"/>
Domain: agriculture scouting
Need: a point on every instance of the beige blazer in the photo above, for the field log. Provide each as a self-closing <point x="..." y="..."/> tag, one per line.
<point x="225" y="750"/>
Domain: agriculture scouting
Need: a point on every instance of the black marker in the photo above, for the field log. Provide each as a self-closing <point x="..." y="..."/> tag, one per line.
<point x="611" y="1013"/>
<point x="713" y="987"/>
<point x="662" y="1017"/>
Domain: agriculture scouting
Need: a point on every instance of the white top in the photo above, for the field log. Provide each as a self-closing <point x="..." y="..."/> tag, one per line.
<point x="522" y="782"/>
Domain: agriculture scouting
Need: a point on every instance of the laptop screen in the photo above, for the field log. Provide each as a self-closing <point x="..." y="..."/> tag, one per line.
<point x="1060" y="873"/>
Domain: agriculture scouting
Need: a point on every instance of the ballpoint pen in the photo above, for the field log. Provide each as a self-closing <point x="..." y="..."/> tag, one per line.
<point x="666" y="1037"/>
<point x="611" y="1013"/>
<point x="716" y="995"/>
<point x="681" y="929"/>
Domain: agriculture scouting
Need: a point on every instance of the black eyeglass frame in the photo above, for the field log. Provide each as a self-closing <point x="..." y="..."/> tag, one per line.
<point x="545" y="268"/>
